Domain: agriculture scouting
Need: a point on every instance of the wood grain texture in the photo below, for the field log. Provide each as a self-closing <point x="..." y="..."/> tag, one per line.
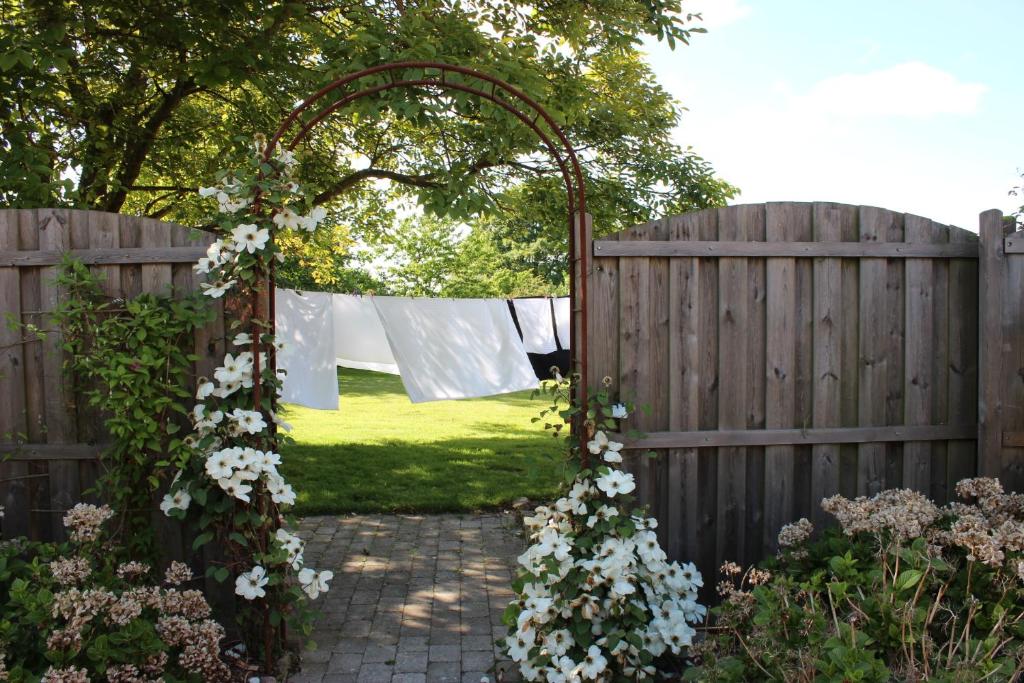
<point x="920" y="348"/>
<point x="762" y="249"/>
<point x="738" y="438"/>
<point x="807" y="343"/>
<point x="992" y="276"/>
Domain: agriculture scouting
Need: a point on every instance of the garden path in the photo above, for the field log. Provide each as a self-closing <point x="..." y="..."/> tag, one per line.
<point x="415" y="598"/>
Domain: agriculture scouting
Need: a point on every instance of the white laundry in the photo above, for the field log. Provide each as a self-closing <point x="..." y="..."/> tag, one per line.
<point x="305" y="323"/>
<point x="359" y="339"/>
<point x="455" y="348"/>
<point x="535" y="322"/>
<point x="562" y="320"/>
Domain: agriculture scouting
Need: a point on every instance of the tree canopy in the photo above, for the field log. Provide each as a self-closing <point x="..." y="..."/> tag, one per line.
<point x="130" y="107"/>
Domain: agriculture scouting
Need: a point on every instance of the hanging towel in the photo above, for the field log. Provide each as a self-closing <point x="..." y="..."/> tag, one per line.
<point x="455" y="348"/>
<point x="538" y="330"/>
<point x="305" y="323"/>
<point x="544" y="363"/>
<point x="562" y="320"/>
<point x="359" y="339"/>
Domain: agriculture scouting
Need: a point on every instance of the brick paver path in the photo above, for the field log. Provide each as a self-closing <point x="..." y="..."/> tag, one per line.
<point x="415" y="598"/>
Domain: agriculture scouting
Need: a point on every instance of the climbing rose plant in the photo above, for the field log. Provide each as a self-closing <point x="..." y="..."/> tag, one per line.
<point x="233" y="477"/>
<point x="596" y="598"/>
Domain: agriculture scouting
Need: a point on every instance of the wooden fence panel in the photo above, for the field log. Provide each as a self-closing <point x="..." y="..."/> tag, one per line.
<point x="49" y="438"/>
<point x="812" y="349"/>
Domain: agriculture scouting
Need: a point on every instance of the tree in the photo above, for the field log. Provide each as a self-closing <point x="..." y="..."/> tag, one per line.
<point x="131" y="106"/>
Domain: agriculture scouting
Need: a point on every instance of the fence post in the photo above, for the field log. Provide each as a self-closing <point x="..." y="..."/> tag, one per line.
<point x="992" y="283"/>
<point x="581" y="269"/>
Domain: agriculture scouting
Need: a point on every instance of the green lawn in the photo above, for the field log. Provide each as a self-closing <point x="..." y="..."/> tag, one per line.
<point x="381" y="453"/>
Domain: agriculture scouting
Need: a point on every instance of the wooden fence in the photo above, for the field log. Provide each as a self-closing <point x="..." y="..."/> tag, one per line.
<point x="49" y="440"/>
<point x="791" y="351"/>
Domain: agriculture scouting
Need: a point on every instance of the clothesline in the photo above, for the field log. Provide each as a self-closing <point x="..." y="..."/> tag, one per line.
<point x="442" y="348"/>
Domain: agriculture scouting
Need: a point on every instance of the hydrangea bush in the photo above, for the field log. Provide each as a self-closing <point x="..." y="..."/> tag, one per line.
<point x="232" y="477"/>
<point x="902" y="590"/>
<point x="596" y="597"/>
<point x="75" y="613"/>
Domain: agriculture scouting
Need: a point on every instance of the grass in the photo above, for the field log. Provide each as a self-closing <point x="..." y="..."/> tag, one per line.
<point x="382" y="453"/>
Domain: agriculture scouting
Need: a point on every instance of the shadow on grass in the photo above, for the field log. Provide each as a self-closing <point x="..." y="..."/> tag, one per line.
<point x="457" y="475"/>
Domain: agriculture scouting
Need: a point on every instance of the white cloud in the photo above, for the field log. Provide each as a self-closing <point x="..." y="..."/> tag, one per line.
<point x="717" y="13"/>
<point x="912" y="89"/>
<point x="872" y="139"/>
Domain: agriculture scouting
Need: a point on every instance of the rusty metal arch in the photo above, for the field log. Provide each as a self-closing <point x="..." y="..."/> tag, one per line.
<point x="569" y="166"/>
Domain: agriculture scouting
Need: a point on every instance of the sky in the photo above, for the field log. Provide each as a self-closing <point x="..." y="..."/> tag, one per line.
<point x="911" y="105"/>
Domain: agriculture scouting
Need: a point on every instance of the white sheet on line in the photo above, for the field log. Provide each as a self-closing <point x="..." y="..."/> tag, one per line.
<point x="359" y="339"/>
<point x="305" y="323"/>
<point x="455" y="348"/>
<point x="562" y="317"/>
<point x="535" y="321"/>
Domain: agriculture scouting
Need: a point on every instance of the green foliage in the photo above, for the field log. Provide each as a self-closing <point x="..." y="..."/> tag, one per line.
<point x="122" y="107"/>
<point x="131" y="361"/>
<point x="879" y="603"/>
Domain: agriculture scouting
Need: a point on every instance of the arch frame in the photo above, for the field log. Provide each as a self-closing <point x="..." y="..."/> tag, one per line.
<point x="558" y="147"/>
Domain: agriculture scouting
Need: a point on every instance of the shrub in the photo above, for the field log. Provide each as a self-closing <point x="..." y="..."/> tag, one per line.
<point x="596" y="598"/>
<point x="903" y="590"/>
<point x="75" y="613"/>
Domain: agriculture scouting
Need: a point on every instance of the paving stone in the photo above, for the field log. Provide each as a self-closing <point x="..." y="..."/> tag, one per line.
<point x="477" y="661"/>
<point x="445" y="653"/>
<point x="411" y="662"/>
<point x="470" y="643"/>
<point x="376" y="654"/>
<point x="443" y="672"/>
<point x="416" y="599"/>
<point x="375" y="673"/>
<point x="345" y="663"/>
<point x="475" y="677"/>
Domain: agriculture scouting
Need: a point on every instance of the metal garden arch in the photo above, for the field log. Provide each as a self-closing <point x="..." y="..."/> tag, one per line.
<point x="509" y="98"/>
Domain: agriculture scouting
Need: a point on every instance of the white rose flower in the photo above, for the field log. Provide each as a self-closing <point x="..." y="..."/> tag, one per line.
<point x="593" y="664"/>
<point x="250" y="584"/>
<point x="249" y="421"/>
<point x="216" y="290"/>
<point x="205" y="192"/>
<point x="235" y="487"/>
<point x="242" y="339"/>
<point x="287" y="219"/>
<point x="204" y="390"/>
<point x="179" y="500"/>
<point x="619" y="412"/>
<point x="616" y="482"/>
<point x="314" y="583"/>
<point x="248" y="237"/>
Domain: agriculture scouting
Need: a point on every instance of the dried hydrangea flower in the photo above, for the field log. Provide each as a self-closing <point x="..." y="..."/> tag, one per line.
<point x="83" y="521"/>
<point x="796" y="533"/>
<point x="70" y="571"/>
<point x="178" y="573"/>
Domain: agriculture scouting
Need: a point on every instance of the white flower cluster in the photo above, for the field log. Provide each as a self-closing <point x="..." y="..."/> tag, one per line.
<point x="236" y="470"/>
<point x="246" y="237"/>
<point x="598" y="598"/>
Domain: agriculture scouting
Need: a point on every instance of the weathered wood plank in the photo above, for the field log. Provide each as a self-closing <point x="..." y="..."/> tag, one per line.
<point x="752" y="222"/>
<point x="40" y="524"/>
<point x="991" y="283"/>
<point x="49" y="451"/>
<point x="96" y="257"/>
<point x="782" y="222"/>
<point x="14" y="489"/>
<point x="739" y="438"/>
<point x="828" y="312"/>
<point x="761" y="249"/>
<point x="1012" y="415"/>
<point x="920" y="347"/>
<point x="895" y="327"/>
<point x="684" y="391"/>
<point x="733" y="392"/>
<point x="706" y="552"/>
<point x="55" y="232"/>
<point x="963" y="361"/>
<point x="872" y="386"/>
<point x="939" y="370"/>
